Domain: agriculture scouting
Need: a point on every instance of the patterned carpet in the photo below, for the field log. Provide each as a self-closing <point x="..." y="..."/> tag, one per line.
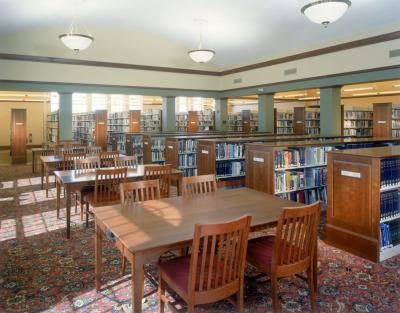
<point x="41" y="271"/>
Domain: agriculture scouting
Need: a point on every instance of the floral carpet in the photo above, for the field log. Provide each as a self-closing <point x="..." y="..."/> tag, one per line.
<point x="41" y="271"/>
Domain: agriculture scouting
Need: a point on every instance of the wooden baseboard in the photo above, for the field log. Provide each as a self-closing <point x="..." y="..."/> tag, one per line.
<point x="2" y="148"/>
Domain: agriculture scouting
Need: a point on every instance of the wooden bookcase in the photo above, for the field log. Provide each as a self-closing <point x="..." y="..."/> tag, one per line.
<point x="357" y="123"/>
<point x="151" y="121"/>
<point x="355" y="194"/>
<point x="267" y="170"/>
<point x="120" y="123"/>
<point x="52" y="127"/>
<point x="284" y="122"/>
<point x="306" y="121"/>
<point x="382" y="119"/>
<point x="91" y="128"/>
<point x="235" y="123"/>
<point x="193" y="121"/>
<point x="153" y="148"/>
<point x="133" y="146"/>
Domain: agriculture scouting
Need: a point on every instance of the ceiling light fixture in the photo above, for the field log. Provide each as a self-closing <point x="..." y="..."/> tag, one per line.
<point x="325" y="11"/>
<point x="201" y="55"/>
<point x="358" y="89"/>
<point x="75" y="40"/>
<point x="295" y="95"/>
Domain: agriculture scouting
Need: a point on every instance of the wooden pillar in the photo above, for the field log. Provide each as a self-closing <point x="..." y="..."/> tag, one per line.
<point x="65" y="116"/>
<point x="330" y="120"/>
<point x="168" y="114"/>
<point x="266" y="114"/>
<point x="221" y="114"/>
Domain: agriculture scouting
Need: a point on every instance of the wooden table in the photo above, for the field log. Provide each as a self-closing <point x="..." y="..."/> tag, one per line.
<point x="72" y="181"/>
<point x="34" y="152"/>
<point x="147" y="230"/>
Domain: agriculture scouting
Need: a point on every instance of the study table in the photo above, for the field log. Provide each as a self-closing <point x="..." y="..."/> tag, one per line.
<point x="145" y="230"/>
<point x="36" y="151"/>
<point x="73" y="180"/>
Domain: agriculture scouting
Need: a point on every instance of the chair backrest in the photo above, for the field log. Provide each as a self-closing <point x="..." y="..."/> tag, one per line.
<point x="86" y="165"/>
<point x="163" y="174"/>
<point x="107" y="158"/>
<point x="69" y="160"/>
<point x="296" y="238"/>
<point x="106" y="188"/>
<point x="139" y="191"/>
<point x="58" y="148"/>
<point x="92" y="150"/>
<point x="218" y="258"/>
<point x="48" y="152"/>
<point x="197" y="185"/>
<point x="126" y="161"/>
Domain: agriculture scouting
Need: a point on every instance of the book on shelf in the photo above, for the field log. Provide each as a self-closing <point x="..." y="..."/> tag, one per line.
<point x="301" y="156"/>
<point x="187" y="146"/>
<point x="158" y="149"/>
<point x="230" y="151"/>
<point x="390" y="173"/>
<point x="306" y="196"/>
<point x="390" y="204"/>
<point x="307" y="178"/>
<point x="226" y="169"/>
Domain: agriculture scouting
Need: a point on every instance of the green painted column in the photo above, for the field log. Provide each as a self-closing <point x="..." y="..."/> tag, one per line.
<point x="168" y="114"/>
<point x="266" y="115"/>
<point x="221" y="114"/>
<point x="330" y="120"/>
<point x="65" y="116"/>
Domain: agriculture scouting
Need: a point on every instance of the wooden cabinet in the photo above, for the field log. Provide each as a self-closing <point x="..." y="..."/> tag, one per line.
<point x="356" y="195"/>
<point x="299" y="116"/>
<point x="193" y="121"/>
<point x="18" y="136"/>
<point x="153" y="149"/>
<point x="246" y="121"/>
<point x="134" y="119"/>
<point x="91" y="128"/>
<point x="382" y="120"/>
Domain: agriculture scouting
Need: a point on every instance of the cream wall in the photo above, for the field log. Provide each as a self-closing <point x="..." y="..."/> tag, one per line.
<point x="369" y="101"/>
<point x="35" y="116"/>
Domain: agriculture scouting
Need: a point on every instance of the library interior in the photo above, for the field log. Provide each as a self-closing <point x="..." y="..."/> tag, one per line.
<point x="200" y="156"/>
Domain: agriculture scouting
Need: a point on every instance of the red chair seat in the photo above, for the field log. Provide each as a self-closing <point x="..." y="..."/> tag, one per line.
<point x="260" y="251"/>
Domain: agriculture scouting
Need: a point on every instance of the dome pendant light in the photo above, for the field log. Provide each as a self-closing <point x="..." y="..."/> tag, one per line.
<point x="75" y="40"/>
<point x="325" y="12"/>
<point x="201" y="55"/>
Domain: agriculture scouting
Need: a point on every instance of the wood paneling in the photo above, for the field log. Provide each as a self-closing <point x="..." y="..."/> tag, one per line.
<point x="193" y="121"/>
<point x="206" y="157"/>
<point x="171" y="152"/>
<point x="134" y="119"/>
<point x="18" y="136"/>
<point x="101" y="129"/>
<point x="382" y="119"/>
<point x="246" y="121"/>
<point x="299" y="117"/>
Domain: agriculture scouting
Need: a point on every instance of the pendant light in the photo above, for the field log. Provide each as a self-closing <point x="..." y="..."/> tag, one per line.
<point x="325" y="12"/>
<point x="201" y="55"/>
<point x="76" y="40"/>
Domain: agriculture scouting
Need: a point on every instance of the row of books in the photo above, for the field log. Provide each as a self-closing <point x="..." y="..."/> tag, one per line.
<point x="301" y="156"/>
<point x="284" y="130"/>
<point x="187" y="145"/>
<point x="390" y="172"/>
<point x="230" y="150"/>
<point x="312" y="123"/>
<point x="390" y="234"/>
<point x="284" y="123"/>
<point x="358" y="115"/>
<point x="52" y="117"/>
<point x="390" y="204"/>
<point x="396" y="113"/>
<point x="186" y="160"/>
<point x="357" y="123"/>
<point x="84" y="116"/>
<point x="118" y="128"/>
<point x="396" y="124"/>
<point x="118" y="115"/>
<point x="358" y="132"/>
<point x="189" y="172"/>
<point x="284" y="116"/>
<point x="312" y="131"/>
<point x="396" y="133"/>
<point x="306" y="196"/>
<point x="235" y="168"/>
<point x="310" y="115"/>
<point x="304" y="179"/>
<point x="157" y="156"/>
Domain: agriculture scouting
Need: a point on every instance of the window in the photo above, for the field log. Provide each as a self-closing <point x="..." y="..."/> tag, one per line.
<point x="197" y="104"/>
<point x="54" y="101"/>
<point x="99" y="101"/>
<point x="79" y="103"/>
<point x="117" y="103"/>
<point x="181" y="104"/>
<point x="136" y="102"/>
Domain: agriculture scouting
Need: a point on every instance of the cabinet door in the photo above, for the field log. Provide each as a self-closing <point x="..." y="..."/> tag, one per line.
<point x="382" y="120"/>
<point x="193" y="121"/>
<point x="260" y="170"/>
<point x="246" y="121"/>
<point x="299" y="117"/>
<point x="18" y="136"/>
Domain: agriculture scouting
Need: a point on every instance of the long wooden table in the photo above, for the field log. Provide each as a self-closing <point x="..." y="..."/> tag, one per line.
<point x="146" y="230"/>
<point x="73" y="181"/>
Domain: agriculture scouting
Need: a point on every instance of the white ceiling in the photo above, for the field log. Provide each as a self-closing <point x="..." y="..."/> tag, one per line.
<point x="241" y="31"/>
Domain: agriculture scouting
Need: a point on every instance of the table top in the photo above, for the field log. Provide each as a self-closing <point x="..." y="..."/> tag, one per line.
<point x="59" y="158"/>
<point x="158" y="223"/>
<point x="375" y="152"/>
<point x="72" y="176"/>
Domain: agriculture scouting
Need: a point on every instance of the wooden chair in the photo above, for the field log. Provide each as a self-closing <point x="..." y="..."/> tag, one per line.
<point x="126" y="161"/>
<point x="107" y="158"/>
<point x="163" y="174"/>
<point x="93" y="151"/>
<point x="291" y="251"/>
<point x="58" y="148"/>
<point x="48" y="152"/>
<point x="197" y="185"/>
<point x="106" y="189"/>
<point x="138" y="191"/>
<point x="69" y="160"/>
<point x="215" y="269"/>
<point x="83" y="166"/>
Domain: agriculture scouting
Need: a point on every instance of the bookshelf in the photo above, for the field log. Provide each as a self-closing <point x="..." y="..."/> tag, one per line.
<point x="90" y="128"/>
<point x="181" y="122"/>
<point x="235" y="122"/>
<point x="52" y="127"/>
<point x="284" y="122"/>
<point x="153" y="149"/>
<point x="296" y="170"/>
<point x="357" y="123"/>
<point x="306" y="121"/>
<point x="151" y="121"/>
<point x="133" y="146"/>
<point x="395" y="120"/>
<point x="249" y="121"/>
<point x="363" y="214"/>
<point x="205" y="120"/>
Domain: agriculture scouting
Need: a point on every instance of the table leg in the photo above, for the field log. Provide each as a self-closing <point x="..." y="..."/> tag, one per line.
<point x="179" y="185"/>
<point x="137" y="283"/>
<point x="47" y="181"/>
<point x="98" y="252"/>
<point x="41" y="174"/>
<point x="315" y="268"/>
<point x="33" y="162"/>
<point x="68" y="209"/>
<point x="58" y="187"/>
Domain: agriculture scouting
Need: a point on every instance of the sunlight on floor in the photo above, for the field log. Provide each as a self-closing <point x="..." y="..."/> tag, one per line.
<point x="6" y="199"/>
<point x="8" y="229"/>
<point x="37" y="196"/>
<point x="7" y="184"/>
<point x="31" y="181"/>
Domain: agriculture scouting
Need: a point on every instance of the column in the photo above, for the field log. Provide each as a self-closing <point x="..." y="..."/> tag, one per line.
<point x="168" y="114"/>
<point x="65" y="116"/>
<point x="266" y="113"/>
<point x="221" y="114"/>
<point x="330" y="120"/>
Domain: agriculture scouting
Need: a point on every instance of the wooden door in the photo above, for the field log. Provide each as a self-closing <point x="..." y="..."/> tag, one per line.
<point x="193" y="121"/>
<point x="246" y="121"/>
<point x="101" y="129"/>
<point x="382" y="117"/>
<point x="299" y="117"/>
<point x="18" y="136"/>
<point x="135" y="121"/>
